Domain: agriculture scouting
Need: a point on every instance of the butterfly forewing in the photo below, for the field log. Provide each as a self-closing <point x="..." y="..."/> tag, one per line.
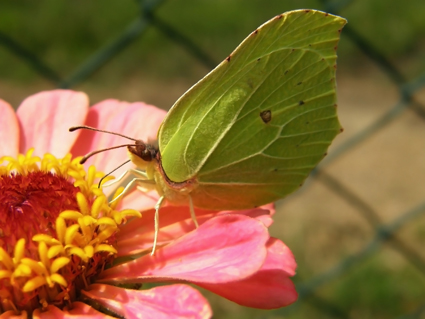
<point x="253" y="128"/>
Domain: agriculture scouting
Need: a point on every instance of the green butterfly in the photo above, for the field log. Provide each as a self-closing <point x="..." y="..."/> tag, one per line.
<point x="251" y="131"/>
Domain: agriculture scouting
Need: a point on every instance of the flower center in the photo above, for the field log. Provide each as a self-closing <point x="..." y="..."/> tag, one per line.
<point x="30" y="204"/>
<point x="57" y="231"/>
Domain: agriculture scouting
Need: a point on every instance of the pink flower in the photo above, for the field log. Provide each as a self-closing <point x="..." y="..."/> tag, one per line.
<point x="62" y="233"/>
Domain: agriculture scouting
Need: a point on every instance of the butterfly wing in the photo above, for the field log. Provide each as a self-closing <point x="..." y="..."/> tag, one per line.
<point x="251" y="130"/>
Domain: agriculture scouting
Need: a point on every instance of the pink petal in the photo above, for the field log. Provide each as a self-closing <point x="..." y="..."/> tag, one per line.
<point x="265" y="290"/>
<point x="225" y="248"/>
<point x="136" y="199"/>
<point x="262" y="213"/>
<point x="79" y="310"/>
<point x="11" y="315"/>
<point x="166" y="302"/>
<point x="9" y="130"/>
<point x="136" y="120"/>
<point x="138" y="235"/>
<point x="279" y="256"/>
<point x="45" y="118"/>
<point x="270" y="207"/>
<point x="270" y="287"/>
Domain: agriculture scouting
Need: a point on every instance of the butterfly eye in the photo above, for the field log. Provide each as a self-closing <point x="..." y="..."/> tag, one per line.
<point x="145" y="151"/>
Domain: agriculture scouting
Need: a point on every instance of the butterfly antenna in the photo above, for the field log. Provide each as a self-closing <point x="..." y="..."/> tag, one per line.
<point x="101" y="180"/>
<point x="85" y="127"/>
<point x="86" y="157"/>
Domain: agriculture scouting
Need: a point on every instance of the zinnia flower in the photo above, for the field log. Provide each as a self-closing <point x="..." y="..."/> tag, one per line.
<point x="64" y="247"/>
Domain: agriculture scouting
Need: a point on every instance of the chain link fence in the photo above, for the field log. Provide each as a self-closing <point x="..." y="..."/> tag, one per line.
<point x="385" y="233"/>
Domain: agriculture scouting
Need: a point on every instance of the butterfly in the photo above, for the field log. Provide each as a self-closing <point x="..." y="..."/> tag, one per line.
<point x="251" y="131"/>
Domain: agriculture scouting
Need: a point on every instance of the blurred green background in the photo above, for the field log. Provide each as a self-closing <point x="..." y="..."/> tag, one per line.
<point x="330" y="222"/>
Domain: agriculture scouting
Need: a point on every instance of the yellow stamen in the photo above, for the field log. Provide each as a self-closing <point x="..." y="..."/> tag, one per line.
<point x="82" y="204"/>
<point x="35" y="266"/>
<point x="42" y="253"/>
<point x="58" y="263"/>
<point x="49" y="240"/>
<point x="106" y="248"/>
<point x="71" y="214"/>
<point x="34" y="283"/>
<point x="19" y="251"/>
<point x="89" y="251"/>
<point x="59" y="280"/>
<point x="5" y="274"/>
<point x="97" y="206"/>
<point x="5" y="259"/>
<point x="106" y="221"/>
<point x="105" y="234"/>
<point x="55" y="251"/>
<point x="70" y="233"/>
<point x="22" y="270"/>
<point x="79" y="252"/>
<point x="60" y="229"/>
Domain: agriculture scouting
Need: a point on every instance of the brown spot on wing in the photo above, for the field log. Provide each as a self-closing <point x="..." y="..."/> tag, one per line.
<point x="266" y="116"/>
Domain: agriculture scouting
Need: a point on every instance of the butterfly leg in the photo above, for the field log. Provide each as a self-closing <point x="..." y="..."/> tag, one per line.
<point x="130" y="185"/>
<point x="157" y="206"/>
<point x="136" y="172"/>
<point x="192" y="212"/>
